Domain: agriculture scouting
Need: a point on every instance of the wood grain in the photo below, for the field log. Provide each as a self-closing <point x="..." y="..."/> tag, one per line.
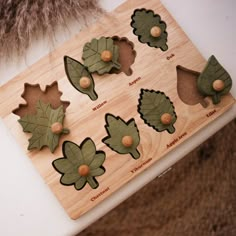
<point x="154" y="71"/>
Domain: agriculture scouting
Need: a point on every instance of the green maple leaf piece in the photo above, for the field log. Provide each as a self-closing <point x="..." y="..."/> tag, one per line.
<point x="152" y="105"/>
<point x="142" y="22"/>
<point x="40" y="126"/>
<point x="117" y="129"/>
<point x="212" y="72"/>
<point x="92" y="55"/>
<point x="75" y="71"/>
<point x="77" y="157"/>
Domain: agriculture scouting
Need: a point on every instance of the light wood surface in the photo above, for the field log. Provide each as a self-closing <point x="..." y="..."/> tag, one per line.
<point x="157" y="71"/>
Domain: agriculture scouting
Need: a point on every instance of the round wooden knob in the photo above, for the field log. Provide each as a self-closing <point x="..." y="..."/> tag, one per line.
<point x="155" y="31"/>
<point x="106" y="56"/>
<point x="83" y="170"/>
<point x="218" y="85"/>
<point x="84" y="82"/>
<point x="56" y="128"/>
<point x="166" y="119"/>
<point x="127" y="141"/>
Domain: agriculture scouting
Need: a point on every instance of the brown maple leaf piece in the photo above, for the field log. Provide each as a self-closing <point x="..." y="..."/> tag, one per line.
<point x="127" y="55"/>
<point x="33" y="93"/>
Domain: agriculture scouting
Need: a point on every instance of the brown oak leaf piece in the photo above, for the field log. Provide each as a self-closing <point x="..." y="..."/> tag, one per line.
<point x="33" y="93"/>
<point x="127" y="55"/>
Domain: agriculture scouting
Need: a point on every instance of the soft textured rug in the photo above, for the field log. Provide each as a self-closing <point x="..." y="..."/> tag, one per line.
<point x="196" y="198"/>
<point x="22" y="21"/>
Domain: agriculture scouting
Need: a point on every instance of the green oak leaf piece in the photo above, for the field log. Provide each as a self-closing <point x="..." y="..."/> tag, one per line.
<point x="211" y="73"/>
<point x="92" y="55"/>
<point x="80" y="164"/>
<point x="152" y="105"/>
<point x="117" y="129"/>
<point x="142" y="21"/>
<point x="40" y="125"/>
<point x="75" y="71"/>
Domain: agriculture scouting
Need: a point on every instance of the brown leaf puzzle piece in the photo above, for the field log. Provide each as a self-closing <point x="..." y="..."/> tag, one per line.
<point x="33" y="93"/>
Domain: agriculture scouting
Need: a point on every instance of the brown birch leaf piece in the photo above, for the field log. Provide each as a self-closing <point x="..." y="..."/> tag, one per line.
<point x="33" y="93"/>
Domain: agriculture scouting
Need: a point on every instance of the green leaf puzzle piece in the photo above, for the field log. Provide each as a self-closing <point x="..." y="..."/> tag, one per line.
<point x="92" y="55"/>
<point x="152" y="105"/>
<point x="40" y="126"/>
<point x="75" y="71"/>
<point x="212" y="72"/>
<point x="142" y="22"/>
<point x="117" y="129"/>
<point x="77" y="157"/>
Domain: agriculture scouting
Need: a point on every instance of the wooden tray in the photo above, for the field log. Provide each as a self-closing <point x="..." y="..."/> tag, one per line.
<point x="118" y="95"/>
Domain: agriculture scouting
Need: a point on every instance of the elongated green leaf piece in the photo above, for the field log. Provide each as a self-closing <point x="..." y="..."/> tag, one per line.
<point x="143" y="21"/>
<point x="80" y="164"/>
<point x="92" y="55"/>
<point x="214" y="80"/>
<point x="123" y="137"/>
<point x="46" y="126"/>
<point x="76" y="71"/>
<point x="153" y="106"/>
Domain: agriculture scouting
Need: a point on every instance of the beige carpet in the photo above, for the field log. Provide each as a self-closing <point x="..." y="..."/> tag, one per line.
<point x="196" y="198"/>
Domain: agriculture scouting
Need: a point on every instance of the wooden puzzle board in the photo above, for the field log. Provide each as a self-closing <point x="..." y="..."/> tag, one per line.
<point x="118" y="95"/>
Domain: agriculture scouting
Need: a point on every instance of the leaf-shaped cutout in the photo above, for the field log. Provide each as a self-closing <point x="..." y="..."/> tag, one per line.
<point x="187" y="87"/>
<point x="127" y="55"/>
<point x="118" y="130"/>
<point x="152" y="106"/>
<point x="80" y="164"/>
<point x="92" y="53"/>
<point x="143" y="21"/>
<point x="212" y="74"/>
<point x="33" y="93"/>
<point x="42" y="125"/>
<point x="76" y="71"/>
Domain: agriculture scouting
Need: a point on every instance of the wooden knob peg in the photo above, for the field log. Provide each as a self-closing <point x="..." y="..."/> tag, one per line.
<point x="85" y="82"/>
<point x="83" y="170"/>
<point x="155" y="31"/>
<point x="166" y="119"/>
<point x="56" y="128"/>
<point x="127" y="141"/>
<point x="106" y="56"/>
<point x="218" y="85"/>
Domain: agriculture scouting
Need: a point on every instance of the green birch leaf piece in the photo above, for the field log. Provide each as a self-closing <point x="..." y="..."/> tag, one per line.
<point x="46" y="126"/>
<point x="76" y="71"/>
<point x="214" y="80"/>
<point x="153" y="105"/>
<point x="142" y="22"/>
<point x="92" y="52"/>
<point x="123" y="137"/>
<point x="80" y="164"/>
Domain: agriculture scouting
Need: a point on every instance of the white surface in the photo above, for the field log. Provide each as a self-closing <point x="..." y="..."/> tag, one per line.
<point x="28" y="207"/>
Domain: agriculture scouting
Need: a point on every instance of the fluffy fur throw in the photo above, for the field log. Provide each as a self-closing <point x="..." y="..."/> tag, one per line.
<point x="21" y="21"/>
